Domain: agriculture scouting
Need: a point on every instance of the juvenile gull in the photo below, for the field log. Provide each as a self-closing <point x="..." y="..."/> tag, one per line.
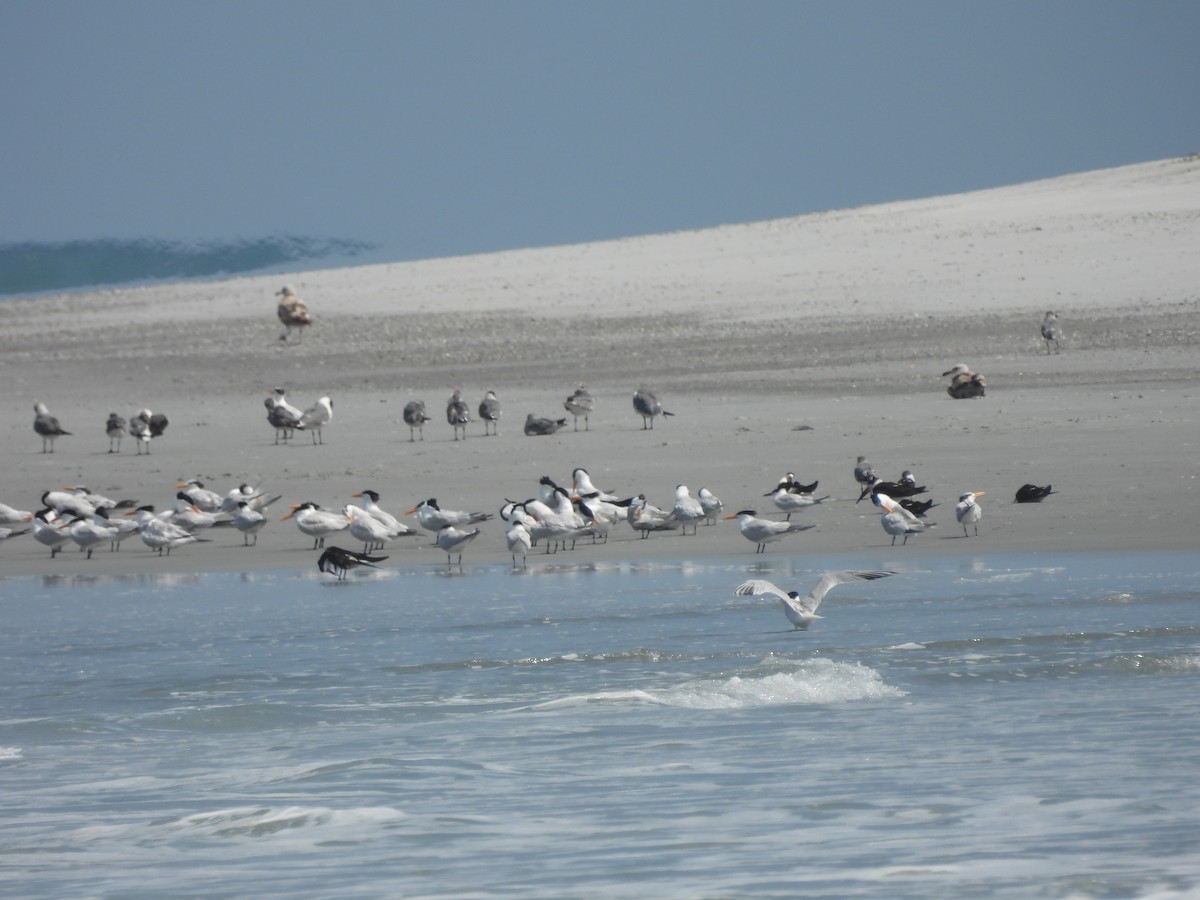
<point x="580" y="403"/>
<point x="646" y="405"/>
<point x="115" y="429"/>
<point x="415" y="418"/>
<point x="292" y="312"/>
<point x="458" y="414"/>
<point x="538" y="425"/>
<point x="1050" y="331"/>
<point x="47" y="426"/>
<point x="802" y="611"/>
<point x="489" y="412"/>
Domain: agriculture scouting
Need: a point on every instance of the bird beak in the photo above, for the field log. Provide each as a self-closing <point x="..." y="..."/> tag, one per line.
<point x="288" y="516"/>
<point x="411" y="512"/>
<point x="359" y="494"/>
<point x="727" y="518"/>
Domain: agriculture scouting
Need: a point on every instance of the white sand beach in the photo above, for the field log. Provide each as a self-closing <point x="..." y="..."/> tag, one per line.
<point x="793" y="345"/>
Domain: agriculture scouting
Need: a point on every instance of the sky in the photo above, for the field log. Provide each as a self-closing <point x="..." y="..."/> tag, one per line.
<point x="444" y="128"/>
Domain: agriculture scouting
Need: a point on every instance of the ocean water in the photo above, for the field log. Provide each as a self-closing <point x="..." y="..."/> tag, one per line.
<point x="41" y="267"/>
<point x="1015" y="726"/>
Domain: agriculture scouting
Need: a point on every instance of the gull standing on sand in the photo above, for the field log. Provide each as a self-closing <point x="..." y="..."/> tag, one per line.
<point x="115" y="429"/>
<point x="896" y="520"/>
<point x="339" y="562"/>
<point x="458" y="414"/>
<point x="864" y="472"/>
<point x="139" y="430"/>
<point x="292" y="312"/>
<point x="764" y="531"/>
<point x="646" y="405"/>
<point x="1050" y="332"/>
<point x="489" y="412"/>
<point x="415" y="418"/>
<point x="968" y="512"/>
<point x="47" y="426"/>
<point x="315" y="418"/>
<point x="580" y="403"/>
<point x="802" y="611"/>
<point x="316" y="522"/>
<point x="452" y="539"/>
<point x="688" y="510"/>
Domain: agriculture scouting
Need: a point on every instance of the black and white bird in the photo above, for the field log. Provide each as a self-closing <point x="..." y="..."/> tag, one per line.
<point x="415" y="418"/>
<point x="145" y="426"/>
<point x="896" y="520"/>
<point x="1032" y="493"/>
<point x="801" y="611"/>
<point x="336" y="561"/>
<point x="647" y="405"/>
<point x="489" y="413"/>
<point x="965" y="384"/>
<point x="316" y="522"/>
<point x="1050" y="331"/>
<point x="968" y="511"/>
<point x="47" y="426"/>
<point x="580" y="403"/>
<point x="452" y="539"/>
<point x="788" y="501"/>
<point x="433" y="518"/>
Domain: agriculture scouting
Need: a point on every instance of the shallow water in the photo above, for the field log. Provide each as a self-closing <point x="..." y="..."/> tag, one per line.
<point x="1021" y="726"/>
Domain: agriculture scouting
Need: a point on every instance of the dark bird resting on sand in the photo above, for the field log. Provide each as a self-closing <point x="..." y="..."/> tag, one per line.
<point x="1031" y="493"/>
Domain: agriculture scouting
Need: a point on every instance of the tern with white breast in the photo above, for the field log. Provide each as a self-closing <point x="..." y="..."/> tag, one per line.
<point x="968" y="511"/>
<point x="764" y="531"/>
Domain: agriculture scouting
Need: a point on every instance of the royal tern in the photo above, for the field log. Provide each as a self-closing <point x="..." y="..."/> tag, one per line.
<point x="315" y="418"/>
<point x="339" y="562"/>
<point x="864" y="472"/>
<point x="965" y="384"/>
<point x="763" y="531"/>
<point x="644" y="517"/>
<point x="968" y="512"/>
<point x="580" y="403"/>
<point x="188" y="516"/>
<point x="159" y="534"/>
<point x="582" y="486"/>
<point x="250" y="519"/>
<point x="646" y="405"/>
<point x="122" y="528"/>
<point x="896" y="520"/>
<point x="518" y="540"/>
<point x="49" y="531"/>
<point x="115" y="429"/>
<point x="316" y="522"/>
<point x="415" y="418"/>
<point x="1050" y="332"/>
<point x="458" y="414"/>
<point x="69" y="502"/>
<point x="1031" y="493"/>
<point x="789" y="502"/>
<point x="243" y="493"/>
<point x="687" y="509"/>
<point x="711" y="504"/>
<point x="394" y="526"/>
<point x="433" y="518"/>
<point x="601" y="515"/>
<point x="366" y="528"/>
<point x="489" y="412"/>
<point x="802" y="610"/>
<point x="538" y="425"/>
<point x="10" y="516"/>
<point x="452" y="539"/>
<point x="292" y="312"/>
<point x="47" y="426"/>
<point x="201" y="497"/>
<point x="87" y="533"/>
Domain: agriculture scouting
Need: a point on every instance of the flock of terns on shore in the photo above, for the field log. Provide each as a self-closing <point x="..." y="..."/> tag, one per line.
<point x="557" y="517"/>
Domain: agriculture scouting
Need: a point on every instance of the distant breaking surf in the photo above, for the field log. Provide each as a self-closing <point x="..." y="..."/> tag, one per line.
<point x="38" y="268"/>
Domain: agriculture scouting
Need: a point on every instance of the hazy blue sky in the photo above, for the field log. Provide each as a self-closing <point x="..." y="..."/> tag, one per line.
<point x="454" y="127"/>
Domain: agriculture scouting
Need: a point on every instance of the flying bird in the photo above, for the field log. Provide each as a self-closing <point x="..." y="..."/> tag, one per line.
<point x="968" y="512"/>
<point x="646" y="405"/>
<point x="802" y="611"/>
<point x="339" y="562"/>
<point x="1031" y="493"/>
<point x="47" y="426"/>
<point x="580" y="403"/>
<point x="292" y="311"/>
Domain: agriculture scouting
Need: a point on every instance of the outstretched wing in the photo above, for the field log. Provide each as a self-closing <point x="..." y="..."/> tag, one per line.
<point x="758" y="587"/>
<point x="830" y="580"/>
